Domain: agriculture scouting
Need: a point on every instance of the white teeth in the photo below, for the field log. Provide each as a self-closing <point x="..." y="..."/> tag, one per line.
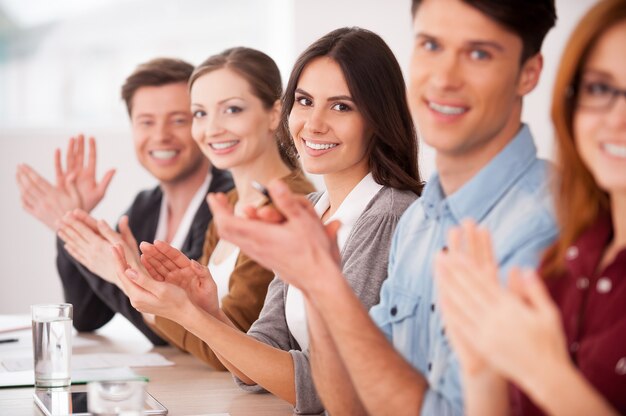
<point x="223" y="145"/>
<point x="615" y="149"/>
<point x="319" y="146"/>
<point x="163" y="154"/>
<point x="446" y="109"/>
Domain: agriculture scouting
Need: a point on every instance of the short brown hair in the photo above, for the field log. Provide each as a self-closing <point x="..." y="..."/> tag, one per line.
<point x="579" y="199"/>
<point x="262" y="74"/>
<point x="155" y="73"/>
<point x="529" y="19"/>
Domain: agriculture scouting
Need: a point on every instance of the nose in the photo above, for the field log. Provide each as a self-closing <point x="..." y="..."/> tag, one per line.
<point x="164" y="131"/>
<point x="447" y="72"/>
<point x="316" y="122"/>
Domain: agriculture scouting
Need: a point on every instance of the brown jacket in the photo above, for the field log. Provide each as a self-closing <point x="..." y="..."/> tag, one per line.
<point x="247" y="288"/>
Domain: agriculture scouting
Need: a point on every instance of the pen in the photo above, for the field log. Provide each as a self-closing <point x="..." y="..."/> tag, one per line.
<point x="262" y="189"/>
<point x="7" y="340"/>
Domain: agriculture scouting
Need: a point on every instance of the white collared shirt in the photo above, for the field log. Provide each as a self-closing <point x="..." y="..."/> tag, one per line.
<point x="185" y="223"/>
<point x="348" y="213"/>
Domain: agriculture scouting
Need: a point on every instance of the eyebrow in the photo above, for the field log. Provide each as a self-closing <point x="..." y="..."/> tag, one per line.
<point x="230" y="98"/>
<point x="173" y="113"/>
<point x="597" y="72"/>
<point x="333" y="98"/>
<point x="471" y="43"/>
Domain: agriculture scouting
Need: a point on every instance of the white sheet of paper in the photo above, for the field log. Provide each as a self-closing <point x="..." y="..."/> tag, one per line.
<point x="10" y="323"/>
<point x="88" y="361"/>
<point x="27" y="378"/>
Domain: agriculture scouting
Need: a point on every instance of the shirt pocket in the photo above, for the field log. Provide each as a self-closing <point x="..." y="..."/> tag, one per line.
<point x="408" y="332"/>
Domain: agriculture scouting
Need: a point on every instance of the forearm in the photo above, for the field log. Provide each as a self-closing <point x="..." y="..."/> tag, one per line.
<point x="376" y="369"/>
<point x="248" y="359"/>
<point x="331" y="377"/>
<point x="562" y="390"/>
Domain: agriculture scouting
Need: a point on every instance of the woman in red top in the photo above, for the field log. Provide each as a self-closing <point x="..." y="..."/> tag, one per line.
<point x="561" y="344"/>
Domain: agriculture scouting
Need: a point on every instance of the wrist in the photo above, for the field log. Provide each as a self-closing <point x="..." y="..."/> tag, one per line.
<point x="546" y="383"/>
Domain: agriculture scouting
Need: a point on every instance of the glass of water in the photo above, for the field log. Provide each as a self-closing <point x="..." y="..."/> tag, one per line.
<point x="109" y="398"/>
<point x="52" y="344"/>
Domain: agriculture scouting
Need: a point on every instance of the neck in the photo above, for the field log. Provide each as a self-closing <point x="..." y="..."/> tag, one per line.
<point x="180" y="193"/>
<point x="339" y="185"/>
<point x="618" y="215"/>
<point x="263" y="169"/>
<point x="455" y="170"/>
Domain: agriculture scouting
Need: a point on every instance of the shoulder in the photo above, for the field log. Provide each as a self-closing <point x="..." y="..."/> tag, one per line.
<point x="147" y="199"/>
<point x="390" y="202"/>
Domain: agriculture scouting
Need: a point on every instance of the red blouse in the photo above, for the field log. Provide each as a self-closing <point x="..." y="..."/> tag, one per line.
<point x="593" y="310"/>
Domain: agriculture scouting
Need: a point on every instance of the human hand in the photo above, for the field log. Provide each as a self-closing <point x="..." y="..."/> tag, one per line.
<point x="89" y="189"/>
<point x="148" y="295"/>
<point x="298" y="247"/>
<point x="44" y="201"/>
<point x="165" y="263"/>
<point x="515" y="330"/>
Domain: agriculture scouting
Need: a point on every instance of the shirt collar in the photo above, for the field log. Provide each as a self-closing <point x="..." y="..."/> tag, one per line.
<point x="476" y="198"/>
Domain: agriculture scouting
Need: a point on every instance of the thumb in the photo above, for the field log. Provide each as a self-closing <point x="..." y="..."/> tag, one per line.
<point x="105" y="182"/>
<point x="534" y="291"/>
<point x="126" y="232"/>
<point x="284" y="200"/>
<point x="332" y="229"/>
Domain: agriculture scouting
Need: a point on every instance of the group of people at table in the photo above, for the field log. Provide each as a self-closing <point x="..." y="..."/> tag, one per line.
<point x="498" y="286"/>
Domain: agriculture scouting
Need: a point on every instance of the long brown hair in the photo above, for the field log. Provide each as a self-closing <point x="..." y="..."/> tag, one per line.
<point x="578" y="198"/>
<point x="262" y="74"/>
<point x="376" y="84"/>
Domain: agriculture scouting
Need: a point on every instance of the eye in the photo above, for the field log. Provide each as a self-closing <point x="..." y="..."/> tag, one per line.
<point x="181" y="121"/>
<point x="199" y="114"/>
<point x="341" y="107"/>
<point x="430" y="45"/>
<point x="479" y="55"/>
<point x="145" y="123"/>
<point x="233" y="109"/>
<point x="596" y="88"/>
<point x="304" y="101"/>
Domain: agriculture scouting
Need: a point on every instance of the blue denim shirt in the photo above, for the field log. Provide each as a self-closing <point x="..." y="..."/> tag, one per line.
<point x="510" y="196"/>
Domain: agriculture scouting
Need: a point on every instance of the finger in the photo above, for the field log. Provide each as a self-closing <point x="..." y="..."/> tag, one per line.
<point x="462" y="292"/>
<point x="269" y="214"/>
<point x="28" y="189"/>
<point x="537" y="294"/>
<point x="171" y="257"/>
<point x="80" y="153"/>
<point x="68" y="233"/>
<point x="70" y="156"/>
<point x="154" y="273"/>
<point x="36" y="181"/>
<point x="126" y="232"/>
<point x="284" y="200"/>
<point x="454" y="240"/>
<point x="332" y="229"/>
<point x="485" y="246"/>
<point x="86" y="234"/>
<point x="91" y="158"/>
<point x="108" y="233"/>
<point x="58" y="169"/>
<point x="158" y="267"/>
<point x="105" y="182"/>
<point x="86" y="219"/>
<point x="75" y="253"/>
<point x="470" y="240"/>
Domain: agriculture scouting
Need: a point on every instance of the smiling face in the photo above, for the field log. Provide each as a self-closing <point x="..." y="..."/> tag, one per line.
<point x="329" y="132"/>
<point x="231" y="124"/>
<point x="161" y="128"/>
<point x="466" y="84"/>
<point x="600" y="134"/>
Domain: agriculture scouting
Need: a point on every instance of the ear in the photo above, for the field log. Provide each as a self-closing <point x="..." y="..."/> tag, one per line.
<point x="275" y="115"/>
<point x="529" y="74"/>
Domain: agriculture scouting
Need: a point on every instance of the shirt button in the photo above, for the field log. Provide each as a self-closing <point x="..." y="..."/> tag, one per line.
<point x="432" y="307"/>
<point x="604" y="285"/>
<point x="620" y="367"/>
<point x="430" y="366"/>
<point x="571" y="253"/>
<point x="582" y="283"/>
<point x="393" y="311"/>
<point x="574" y="347"/>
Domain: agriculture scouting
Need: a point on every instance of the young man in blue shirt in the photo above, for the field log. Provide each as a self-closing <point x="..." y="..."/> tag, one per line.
<point x="473" y="63"/>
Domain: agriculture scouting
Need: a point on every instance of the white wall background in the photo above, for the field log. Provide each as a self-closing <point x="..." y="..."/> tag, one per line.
<point x="62" y="76"/>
